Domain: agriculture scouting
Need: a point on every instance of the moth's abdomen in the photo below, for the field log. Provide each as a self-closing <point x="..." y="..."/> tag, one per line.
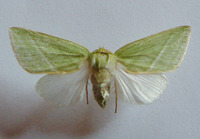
<point x="101" y="81"/>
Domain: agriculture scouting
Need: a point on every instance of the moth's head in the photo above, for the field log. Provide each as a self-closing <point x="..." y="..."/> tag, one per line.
<point x="102" y="50"/>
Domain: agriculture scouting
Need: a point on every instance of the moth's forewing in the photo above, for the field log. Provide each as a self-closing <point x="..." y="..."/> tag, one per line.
<point x="157" y="53"/>
<point x="41" y="53"/>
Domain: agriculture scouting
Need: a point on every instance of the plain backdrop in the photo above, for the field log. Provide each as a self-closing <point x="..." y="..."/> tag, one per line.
<point x="94" y="24"/>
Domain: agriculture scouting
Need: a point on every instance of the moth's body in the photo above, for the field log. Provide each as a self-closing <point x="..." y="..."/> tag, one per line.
<point x="102" y="64"/>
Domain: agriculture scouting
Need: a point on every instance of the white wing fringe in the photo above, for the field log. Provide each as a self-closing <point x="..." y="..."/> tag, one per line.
<point x="138" y="88"/>
<point x="64" y="89"/>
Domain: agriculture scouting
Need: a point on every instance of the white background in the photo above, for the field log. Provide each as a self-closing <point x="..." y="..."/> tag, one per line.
<point x="92" y="23"/>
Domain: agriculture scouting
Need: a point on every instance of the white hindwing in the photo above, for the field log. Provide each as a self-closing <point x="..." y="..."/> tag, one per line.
<point x="64" y="89"/>
<point x="138" y="88"/>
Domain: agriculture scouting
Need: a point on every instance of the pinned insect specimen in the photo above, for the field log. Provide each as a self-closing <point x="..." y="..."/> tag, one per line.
<point x="136" y="69"/>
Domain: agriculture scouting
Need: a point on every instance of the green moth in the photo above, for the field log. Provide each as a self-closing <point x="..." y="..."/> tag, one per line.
<point x="136" y="69"/>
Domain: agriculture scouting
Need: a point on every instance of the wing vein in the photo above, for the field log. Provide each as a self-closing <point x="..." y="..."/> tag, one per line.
<point x="139" y="89"/>
<point x="161" y="52"/>
<point x="43" y="56"/>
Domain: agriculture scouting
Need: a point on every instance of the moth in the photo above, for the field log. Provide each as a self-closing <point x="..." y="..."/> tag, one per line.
<point x="136" y="69"/>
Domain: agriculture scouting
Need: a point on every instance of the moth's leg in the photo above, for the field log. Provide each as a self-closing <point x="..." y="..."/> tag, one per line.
<point x="87" y="92"/>
<point x="115" y="98"/>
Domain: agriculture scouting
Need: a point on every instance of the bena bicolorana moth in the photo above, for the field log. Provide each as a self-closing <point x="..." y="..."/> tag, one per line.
<point x="136" y="69"/>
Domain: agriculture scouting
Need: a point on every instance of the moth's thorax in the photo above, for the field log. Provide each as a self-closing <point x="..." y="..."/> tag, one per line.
<point x="102" y="63"/>
<point x="102" y="58"/>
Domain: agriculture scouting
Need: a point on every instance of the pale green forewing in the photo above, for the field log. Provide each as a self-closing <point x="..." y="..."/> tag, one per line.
<point x="41" y="53"/>
<point x="157" y="53"/>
